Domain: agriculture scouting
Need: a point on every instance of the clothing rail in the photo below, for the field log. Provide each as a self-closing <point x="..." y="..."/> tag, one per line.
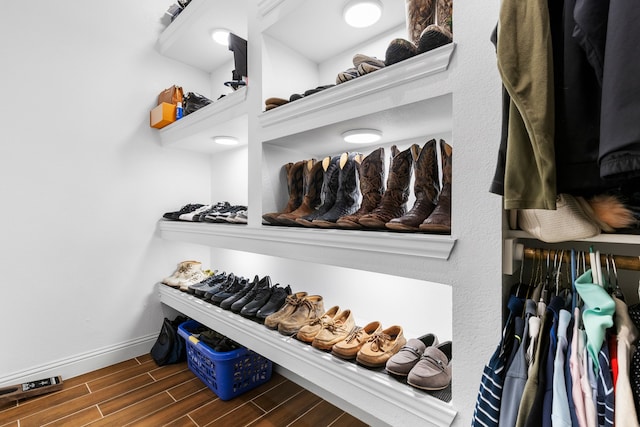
<point x="622" y="262"/>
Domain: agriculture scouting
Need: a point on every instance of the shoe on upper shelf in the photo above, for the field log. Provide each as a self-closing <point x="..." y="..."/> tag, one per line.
<point x="381" y="346"/>
<point x="433" y="370"/>
<point x="190" y="215"/>
<point x="410" y="353"/>
<point x="214" y="208"/>
<point x="183" y="210"/>
<point x="348" y="348"/>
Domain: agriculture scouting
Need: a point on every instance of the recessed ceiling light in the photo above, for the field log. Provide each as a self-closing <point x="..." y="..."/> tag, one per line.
<point x="362" y="13"/>
<point x="225" y="140"/>
<point x="220" y="36"/>
<point x="362" y="136"/>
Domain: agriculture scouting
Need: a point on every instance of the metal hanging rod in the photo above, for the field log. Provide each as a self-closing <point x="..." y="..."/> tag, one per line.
<point x="622" y="262"/>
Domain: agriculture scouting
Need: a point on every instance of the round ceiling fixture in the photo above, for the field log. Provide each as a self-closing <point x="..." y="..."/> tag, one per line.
<point x="362" y="13"/>
<point x="362" y="136"/>
<point x="225" y="140"/>
<point x="220" y="36"/>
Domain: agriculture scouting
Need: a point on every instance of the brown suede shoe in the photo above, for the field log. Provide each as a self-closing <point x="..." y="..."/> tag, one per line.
<point x="309" y="331"/>
<point x="311" y="307"/>
<point x="381" y="346"/>
<point x="348" y="348"/>
<point x="335" y="330"/>
<point x="287" y="309"/>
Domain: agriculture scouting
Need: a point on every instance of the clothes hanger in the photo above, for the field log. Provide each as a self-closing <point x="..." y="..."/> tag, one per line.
<point x="617" y="292"/>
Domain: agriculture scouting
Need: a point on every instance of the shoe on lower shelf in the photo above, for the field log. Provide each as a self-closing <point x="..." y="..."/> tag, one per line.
<point x="309" y="331"/>
<point x="275" y="303"/>
<point x="433" y="371"/>
<point x="291" y="303"/>
<point x="311" y="307"/>
<point x="381" y="346"/>
<point x="348" y="348"/>
<point x="334" y="331"/>
<point x="409" y="354"/>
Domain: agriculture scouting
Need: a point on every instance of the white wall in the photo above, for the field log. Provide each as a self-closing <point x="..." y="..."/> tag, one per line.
<point x="83" y="183"/>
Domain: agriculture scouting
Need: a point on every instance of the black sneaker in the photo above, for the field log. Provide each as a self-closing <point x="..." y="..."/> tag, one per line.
<point x="260" y="284"/>
<point x="261" y="298"/>
<point x="229" y="290"/>
<point x="275" y="303"/>
<point x="200" y="287"/>
<point x="200" y="217"/>
<point x="226" y="303"/>
<point x="183" y="210"/>
<point x="215" y="287"/>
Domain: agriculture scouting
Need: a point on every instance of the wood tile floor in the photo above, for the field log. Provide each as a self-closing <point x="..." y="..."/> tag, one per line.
<point x="139" y="393"/>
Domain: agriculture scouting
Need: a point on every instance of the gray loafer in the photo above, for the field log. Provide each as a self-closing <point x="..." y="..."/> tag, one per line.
<point x="405" y="359"/>
<point x="433" y="371"/>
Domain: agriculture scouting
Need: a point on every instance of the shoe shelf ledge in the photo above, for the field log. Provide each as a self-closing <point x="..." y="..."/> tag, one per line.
<point x="183" y="39"/>
<point x="225" y="117"/>
<point x="371" y="395"/>
<point x="411" y="255"/>
<point x="423" y="78"/>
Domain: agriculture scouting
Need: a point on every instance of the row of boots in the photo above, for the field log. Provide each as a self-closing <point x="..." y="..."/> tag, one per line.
<point x="348" y="191"/>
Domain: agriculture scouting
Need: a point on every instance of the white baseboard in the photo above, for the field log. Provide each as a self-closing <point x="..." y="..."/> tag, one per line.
<point x="82" y="363"/>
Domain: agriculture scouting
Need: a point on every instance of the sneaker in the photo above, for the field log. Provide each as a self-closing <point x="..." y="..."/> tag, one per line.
<point x="381" y="346"/>
<point x="260" y="298"/>
<point x="189" y="215"/>
<point x="239" y="216"/>
<point x="215" y="287"/>
<point x="433" y="370"/>
<point x="183" y="272"/>
<point x="211" y="211"/>
<point x="409" y="354"/>
<point x="335" y="330"/>
<point x="219" y="215"/>
<point x="275" y="303"/>
<point x="348" y="348"/>
<point x="197" y="288"/>
<point x="183" y="210"/>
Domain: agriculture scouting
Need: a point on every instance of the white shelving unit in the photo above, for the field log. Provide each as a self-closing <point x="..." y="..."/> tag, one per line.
<point x="411" y="102"/>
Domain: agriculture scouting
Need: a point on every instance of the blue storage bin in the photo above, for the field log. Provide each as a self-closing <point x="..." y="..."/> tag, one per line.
<point x="228" y="374"/>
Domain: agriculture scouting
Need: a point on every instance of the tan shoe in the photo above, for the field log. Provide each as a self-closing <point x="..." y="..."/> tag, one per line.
<point x="183" y="272"/>
<point x="381" y="346"/>
<point x="310" y="308"/>
<point x="348" y="348"/>
<point x="309" y="331"/>
<point x="290" y="304"/>
<point x="334" y="330"/>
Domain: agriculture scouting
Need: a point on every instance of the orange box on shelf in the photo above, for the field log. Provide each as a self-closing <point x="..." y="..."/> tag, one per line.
<point x="162" y="115"/>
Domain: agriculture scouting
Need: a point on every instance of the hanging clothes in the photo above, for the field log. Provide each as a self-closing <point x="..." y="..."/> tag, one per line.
<point x="560" y="412"/>
<point x="577" y="369"/>
<point x="525" y="66"/>
<point x="630" y="327"/>
<point x="604" y="397"/>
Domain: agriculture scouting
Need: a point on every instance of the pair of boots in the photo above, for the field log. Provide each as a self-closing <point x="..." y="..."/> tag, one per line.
<point x="431" y="211"/>
<point x="320" y="192"/>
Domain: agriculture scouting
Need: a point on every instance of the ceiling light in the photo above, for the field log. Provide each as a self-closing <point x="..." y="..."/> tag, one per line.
<point x="362" y="13"/>
<point x="362" y="136"/>
<point x="220" y="36"/>
<point x="225" y="140"/>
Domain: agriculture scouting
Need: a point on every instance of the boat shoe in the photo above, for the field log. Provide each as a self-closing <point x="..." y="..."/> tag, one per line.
<point x="381" y="346"/>
<point x="348" y="348"/>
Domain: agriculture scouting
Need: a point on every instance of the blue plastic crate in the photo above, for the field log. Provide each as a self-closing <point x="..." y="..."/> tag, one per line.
<point x="228" y="374"/>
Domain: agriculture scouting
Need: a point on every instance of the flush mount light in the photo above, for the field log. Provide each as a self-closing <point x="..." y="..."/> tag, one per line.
<point x="220" y="36"/>
<point x="225" y="140"/>
<point x="362" y="13"/>
<point x="362" y="136"/>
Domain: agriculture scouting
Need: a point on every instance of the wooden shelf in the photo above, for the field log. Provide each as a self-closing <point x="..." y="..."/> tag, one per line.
<point x="371" y="395"/>
<point x="400" y="254"/>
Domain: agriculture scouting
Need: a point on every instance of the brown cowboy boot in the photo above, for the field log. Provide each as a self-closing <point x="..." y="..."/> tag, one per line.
<point x="294" y="186"/>
<point x="394" y="200"/>
<point x="439" y="222"/>
<point x="426" y="188"/>
<point x="371" y="174"/>
<point x="312" y="186"/>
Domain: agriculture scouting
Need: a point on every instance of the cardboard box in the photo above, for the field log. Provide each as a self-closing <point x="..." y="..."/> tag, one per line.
<point x="162" y="115"/>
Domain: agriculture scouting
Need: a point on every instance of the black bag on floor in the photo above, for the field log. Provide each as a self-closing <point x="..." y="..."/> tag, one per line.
<point x="169" y="347"/>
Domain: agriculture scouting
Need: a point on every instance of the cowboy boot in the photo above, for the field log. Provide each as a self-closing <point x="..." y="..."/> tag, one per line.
<point x="294" y="186"/>
<point x="439" y="222"/>
<point x="371" y="176"/>
<point x="348" y="194"/>
<point x="420" y="14"/>
<point x="426" y="188"/>
<point x="329" y="191"/>
<point x="312" y="188"/>
<point x="444" y="14"/>
<point x="394" y="200"/>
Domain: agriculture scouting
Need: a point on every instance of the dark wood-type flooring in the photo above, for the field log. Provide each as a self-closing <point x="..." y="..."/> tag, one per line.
<point x="139" y="393"/>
